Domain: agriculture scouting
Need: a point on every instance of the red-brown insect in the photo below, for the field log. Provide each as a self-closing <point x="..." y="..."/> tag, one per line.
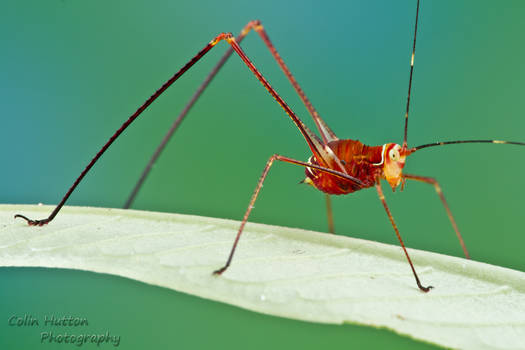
<point x="336" y="166"/>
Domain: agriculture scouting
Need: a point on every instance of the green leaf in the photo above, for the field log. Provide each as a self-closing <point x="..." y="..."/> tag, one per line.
<point x="281" y="271"/>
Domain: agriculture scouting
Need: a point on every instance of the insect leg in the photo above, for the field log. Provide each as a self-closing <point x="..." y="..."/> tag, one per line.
<point x="258" y="189"/>
<point x="382" y="198"/>
<point x="432" y="181"/>
<point x="321" y="151"/>
<point x="167" y="84"/>
<point x="183" y="114"/>
<point x="322" y="155"/>
<point x="326" y="133"/>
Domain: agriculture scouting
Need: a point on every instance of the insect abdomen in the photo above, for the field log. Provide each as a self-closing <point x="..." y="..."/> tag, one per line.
<point x="360" y="161"/>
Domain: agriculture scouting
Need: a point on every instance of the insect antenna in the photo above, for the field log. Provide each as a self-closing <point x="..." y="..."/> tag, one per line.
<point x="442" y="143"/>
<point x="410" y="78"/>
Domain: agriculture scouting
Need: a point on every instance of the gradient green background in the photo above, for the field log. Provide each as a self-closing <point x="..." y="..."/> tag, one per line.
<point x="73" y="71"/>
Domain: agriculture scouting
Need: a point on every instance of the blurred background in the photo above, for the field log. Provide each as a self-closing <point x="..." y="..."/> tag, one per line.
<point x="72" y="72"/>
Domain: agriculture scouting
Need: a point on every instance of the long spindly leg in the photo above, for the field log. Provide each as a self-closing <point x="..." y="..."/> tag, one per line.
<point x="382" y="198"/>
<point x="123" y="127"/>
<point x="432" y="181"/>
<point x="158" y="151"/>
<point x="317" y="148"/>
<point x="326" y="133"/>
<point x="329" y="214"/>
<point x="258" y="189"/>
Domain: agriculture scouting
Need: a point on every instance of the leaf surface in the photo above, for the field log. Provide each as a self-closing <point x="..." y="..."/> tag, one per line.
<point x="281" y="271"/>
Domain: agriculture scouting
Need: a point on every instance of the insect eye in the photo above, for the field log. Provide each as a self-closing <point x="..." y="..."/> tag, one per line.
<point x="394" y="154"/>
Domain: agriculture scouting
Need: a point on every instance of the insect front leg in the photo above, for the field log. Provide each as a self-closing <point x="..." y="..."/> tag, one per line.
<point x="382" y="198"/>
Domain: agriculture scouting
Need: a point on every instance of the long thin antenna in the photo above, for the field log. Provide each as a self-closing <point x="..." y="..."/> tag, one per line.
<point x="442" y="143"/>
<point x="410" y="79"/>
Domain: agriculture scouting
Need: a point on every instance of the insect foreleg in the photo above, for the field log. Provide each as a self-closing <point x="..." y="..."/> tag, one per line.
<point x="382" y="198"/>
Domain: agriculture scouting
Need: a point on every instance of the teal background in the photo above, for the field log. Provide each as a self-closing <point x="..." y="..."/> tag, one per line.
<point x="73" y="71"/>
